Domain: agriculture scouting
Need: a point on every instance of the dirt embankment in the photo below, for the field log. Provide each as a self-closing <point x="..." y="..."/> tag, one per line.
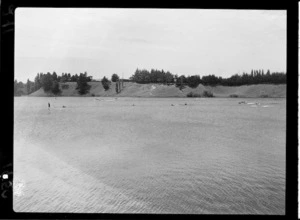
<point x="131" y="89"/>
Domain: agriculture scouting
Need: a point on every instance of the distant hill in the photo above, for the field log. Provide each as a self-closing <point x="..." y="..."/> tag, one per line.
<point x="158" y="90"/>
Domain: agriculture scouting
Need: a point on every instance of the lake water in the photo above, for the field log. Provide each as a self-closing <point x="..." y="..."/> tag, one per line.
<point x="143" y="155"/>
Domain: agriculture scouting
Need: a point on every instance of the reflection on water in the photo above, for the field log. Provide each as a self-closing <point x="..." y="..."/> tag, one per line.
<point x="134" y="155"/>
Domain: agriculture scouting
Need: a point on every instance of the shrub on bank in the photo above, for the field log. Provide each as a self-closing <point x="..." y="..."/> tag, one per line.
<point x="191" y="94"/>
<point x="207" y="94"/>
<point x="204" y="94"/>
<point x="233" y="96"/>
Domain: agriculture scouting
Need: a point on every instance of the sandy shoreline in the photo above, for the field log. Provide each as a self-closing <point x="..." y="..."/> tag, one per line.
<point x="61" y="187"/>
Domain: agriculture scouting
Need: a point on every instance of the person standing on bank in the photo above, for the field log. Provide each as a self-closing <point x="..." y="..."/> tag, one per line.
<point x="48" y="106"/>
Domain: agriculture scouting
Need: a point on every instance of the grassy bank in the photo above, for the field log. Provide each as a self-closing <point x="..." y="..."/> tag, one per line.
<point x="158" y="90"/>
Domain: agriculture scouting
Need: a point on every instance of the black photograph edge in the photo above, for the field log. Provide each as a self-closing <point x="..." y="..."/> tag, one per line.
<point x="7" y="69"/>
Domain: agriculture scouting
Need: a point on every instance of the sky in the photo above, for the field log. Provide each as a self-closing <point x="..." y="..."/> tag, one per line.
<point x="104" y="41"/>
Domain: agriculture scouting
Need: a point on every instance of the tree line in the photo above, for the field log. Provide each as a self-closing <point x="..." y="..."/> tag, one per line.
<point x="50" y="83"/>
<point x="255" y="77"/>
<point x="54" y="83"/>
<point x="152" y="76"/>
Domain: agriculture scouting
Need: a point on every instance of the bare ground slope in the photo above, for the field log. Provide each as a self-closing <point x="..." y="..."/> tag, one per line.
<point x="158" y="90"/>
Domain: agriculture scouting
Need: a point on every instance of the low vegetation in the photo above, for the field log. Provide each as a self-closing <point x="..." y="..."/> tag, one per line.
<point x="192" y="94"/>
<point x="207" y="94"/>
<point x="204" y="94"/>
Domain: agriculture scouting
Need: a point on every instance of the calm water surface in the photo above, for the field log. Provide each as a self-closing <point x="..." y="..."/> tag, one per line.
<point x="211" y="156"/>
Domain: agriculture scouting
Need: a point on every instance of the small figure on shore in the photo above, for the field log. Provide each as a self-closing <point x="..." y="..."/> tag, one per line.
<point x="172" y="105"/>
<point x="185" y="104"/>
<point x="48" y="105"/>
<point x="64" y="106"/>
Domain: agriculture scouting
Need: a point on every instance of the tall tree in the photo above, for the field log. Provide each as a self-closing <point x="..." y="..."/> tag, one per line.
<point x="55" y="88"/>
<point x="115" y="77"/>
<point x="82" y="85"/>
<point x="28" y="86"/>
<point x="37" y="82"/>
<point x="117" y="87"/>
<point x="47" y="82"/>
<point x="194" y="81"/>
<point x="76" y="77"/>
<point x="64" y="78"/>
<point x="105" y="83"/>
<point x="54" y="76"/>
<point x="169" y="78"/>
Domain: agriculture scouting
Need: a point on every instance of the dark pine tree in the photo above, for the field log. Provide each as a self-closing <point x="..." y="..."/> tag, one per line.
<point x="82" y="85"/>
<point x="105" y="83"/>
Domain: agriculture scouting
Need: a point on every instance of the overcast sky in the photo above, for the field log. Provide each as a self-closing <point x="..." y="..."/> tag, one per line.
<point x="182" y="41"/>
